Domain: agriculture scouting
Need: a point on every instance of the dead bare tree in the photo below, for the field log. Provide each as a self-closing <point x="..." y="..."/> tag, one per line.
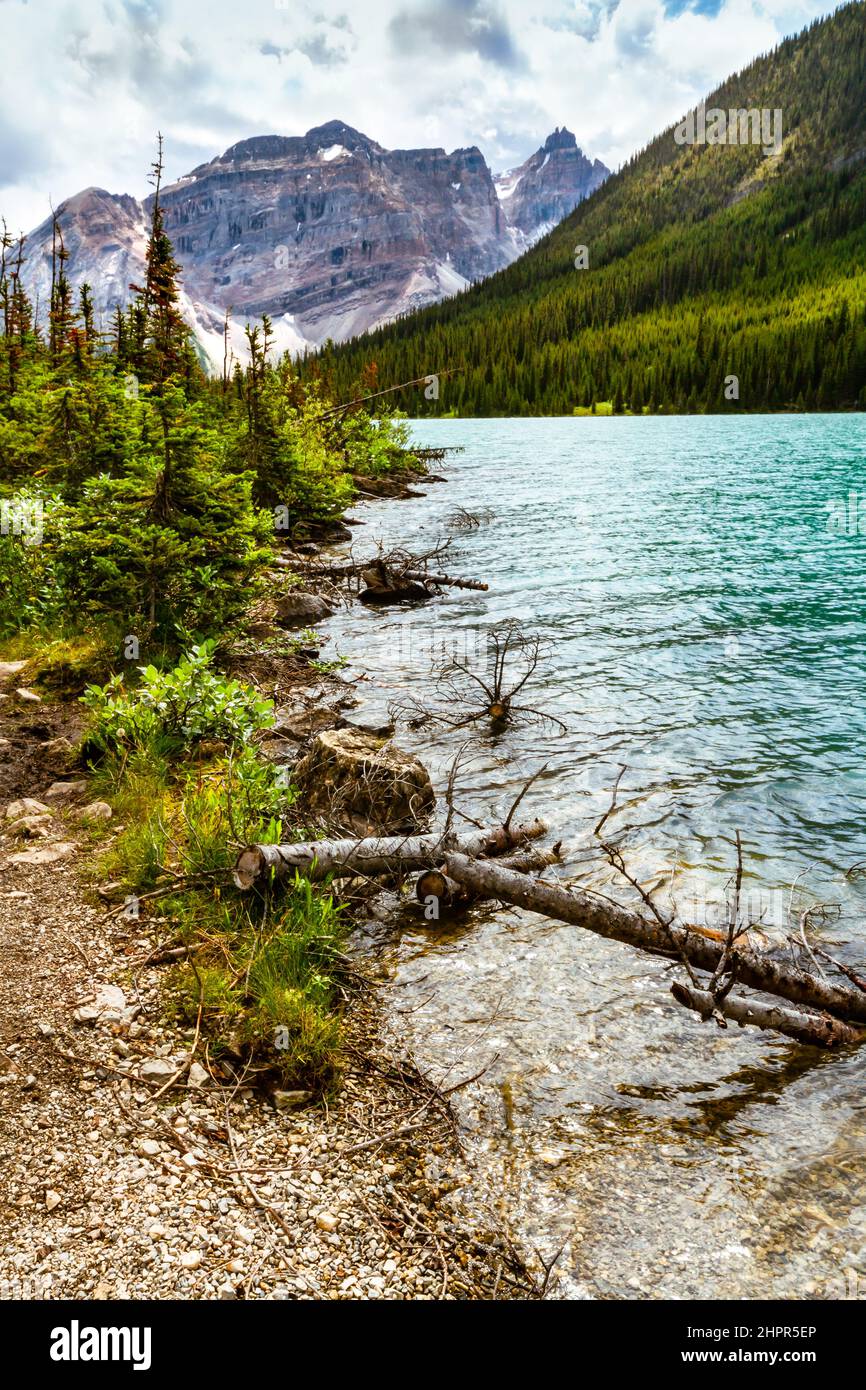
<point x="435" y="454"/>
<point x="828" y="1012"/>
<point x="462" y="697"/>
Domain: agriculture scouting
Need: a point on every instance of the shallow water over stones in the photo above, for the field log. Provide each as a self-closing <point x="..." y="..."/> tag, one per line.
<point x="705" y="599"/>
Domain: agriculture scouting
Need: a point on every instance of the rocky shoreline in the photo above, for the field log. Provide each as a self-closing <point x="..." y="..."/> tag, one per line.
<point x="113" y="1188"/>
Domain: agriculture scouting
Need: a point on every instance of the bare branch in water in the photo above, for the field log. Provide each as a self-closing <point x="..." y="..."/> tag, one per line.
<point x="463" y="696"/>
<point x="461" y="520"/>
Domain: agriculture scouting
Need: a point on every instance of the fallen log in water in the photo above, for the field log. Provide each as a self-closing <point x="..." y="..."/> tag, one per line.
<point x="433" y="883"/>
<point x="347" y="570"/>
<point x="754" y="968"/>
<point x="421" y="577"/>
<point x="374" y="855"/>
<point x="817" y="1029"/>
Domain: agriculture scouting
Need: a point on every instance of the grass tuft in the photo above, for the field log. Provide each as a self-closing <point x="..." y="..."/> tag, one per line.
<point x="264" y="970"/>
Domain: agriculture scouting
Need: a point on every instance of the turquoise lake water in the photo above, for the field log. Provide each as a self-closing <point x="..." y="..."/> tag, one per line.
<point x="701" y="587"/>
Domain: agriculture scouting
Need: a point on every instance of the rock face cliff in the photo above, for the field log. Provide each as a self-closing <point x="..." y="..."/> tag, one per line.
<point x="327" y="233"/>
<point x="551" y="183"/>
<point x="105" y="237"/>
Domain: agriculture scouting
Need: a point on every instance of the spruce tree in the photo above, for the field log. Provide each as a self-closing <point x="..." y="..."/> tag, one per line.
<point x="170" y="549"/>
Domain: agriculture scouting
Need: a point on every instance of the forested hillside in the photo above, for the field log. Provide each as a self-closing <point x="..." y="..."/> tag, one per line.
<point x="705" y="262"/>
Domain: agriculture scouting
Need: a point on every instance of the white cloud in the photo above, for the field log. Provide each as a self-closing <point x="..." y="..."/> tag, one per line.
<point x="87" y="83"/>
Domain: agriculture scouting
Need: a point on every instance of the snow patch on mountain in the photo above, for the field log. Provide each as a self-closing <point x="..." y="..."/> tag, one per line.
<point x="207" y="323"/>
<point x="450" y="281"/>
<point x="506" y="183"/>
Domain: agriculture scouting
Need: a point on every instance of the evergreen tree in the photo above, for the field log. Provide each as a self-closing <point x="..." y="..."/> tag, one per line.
<point x="169" y="549"/>
<point x="160" y="337"/>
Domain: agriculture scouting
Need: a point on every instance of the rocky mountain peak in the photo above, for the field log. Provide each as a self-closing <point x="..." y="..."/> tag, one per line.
<point x="548" y="186"/>
<point x="94" y="202"/>
<point x="328" y="141"/>
<point x="105" y="237"/>
<point x="328" y="233"/>
<point x="338" y="133"/>
<point x="258" y="147"/>
<point x="560" y="140"/>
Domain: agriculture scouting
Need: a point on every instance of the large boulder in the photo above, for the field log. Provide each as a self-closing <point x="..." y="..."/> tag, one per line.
<point x="298" y="609"/>
<point x="365" y="782"/>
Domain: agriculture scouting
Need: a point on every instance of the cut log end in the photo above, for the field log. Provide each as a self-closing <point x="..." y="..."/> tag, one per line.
<point x="249" y="866"/>
<point x="431" y="884"/>
<point x="434" y="884"/>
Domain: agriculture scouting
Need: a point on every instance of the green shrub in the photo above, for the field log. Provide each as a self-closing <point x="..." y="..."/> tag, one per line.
<point x="265" y="965"/>
<point x="268" y="981"/>
<point x="30" y="596"/>
<point x="173" y="710"/>
<point x="290" y="986"/>
<point x="375" y="446"/>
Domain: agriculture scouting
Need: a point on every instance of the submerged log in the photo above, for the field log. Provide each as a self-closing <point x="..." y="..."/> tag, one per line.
<point x="754" y="968"/>
<point x="374" y="855"/>
<point x="819" y="1030"/>
<point x="347" y="569"/>
<point x="433" y="883"/>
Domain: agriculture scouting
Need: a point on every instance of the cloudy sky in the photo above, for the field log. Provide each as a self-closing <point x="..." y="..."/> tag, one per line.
<point x="87" y="82"/>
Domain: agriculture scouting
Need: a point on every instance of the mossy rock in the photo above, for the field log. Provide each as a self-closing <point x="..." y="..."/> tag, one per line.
<point x="365" y="782"/>
<point x="68" y="667"/>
